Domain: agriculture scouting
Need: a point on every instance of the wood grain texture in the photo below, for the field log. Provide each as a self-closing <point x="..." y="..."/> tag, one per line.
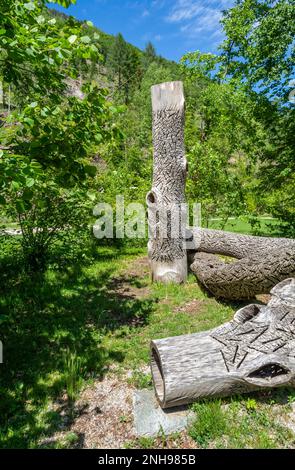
<point x="256" y="350"/>
<point x="262" y="263"/>
<point x="234" y="244"/>
<point x="165" y="201"/>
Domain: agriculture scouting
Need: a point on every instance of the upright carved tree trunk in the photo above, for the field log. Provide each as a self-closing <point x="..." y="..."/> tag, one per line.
<point x="165" y="201"/>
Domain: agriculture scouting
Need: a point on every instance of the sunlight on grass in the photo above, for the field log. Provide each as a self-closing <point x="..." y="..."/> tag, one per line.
<point x="67" y="327"/>
<point x="233" y="424"/>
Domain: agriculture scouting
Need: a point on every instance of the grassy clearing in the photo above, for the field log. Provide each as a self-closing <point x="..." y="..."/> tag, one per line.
<point x="66" y="328"/>
<point x="243" y="422"/>
<point x="261" y="226"/>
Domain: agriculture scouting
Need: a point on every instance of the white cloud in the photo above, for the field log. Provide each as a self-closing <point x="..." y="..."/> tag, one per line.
<point x="208" y="21"/>
<point x="158" y="37"/>
<point x="198" y="16"/>
<point x="145" y="13"/>
<point x="184" y="10"/>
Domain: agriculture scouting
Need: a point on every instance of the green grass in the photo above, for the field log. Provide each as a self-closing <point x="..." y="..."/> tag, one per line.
<point x="265" y="226"/>
<point x="261" y="226"/>
<point x="72" y="376"/>
<point x="141" y="380"/>
<point x="242" y="422"/>
<point x="65" y="328"/>
<point x="210" y="424"/>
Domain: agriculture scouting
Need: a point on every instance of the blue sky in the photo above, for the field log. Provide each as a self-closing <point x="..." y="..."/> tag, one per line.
<point x="174" y="26"/>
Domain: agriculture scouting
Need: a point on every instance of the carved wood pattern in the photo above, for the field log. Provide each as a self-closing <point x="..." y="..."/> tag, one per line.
<point x="247" y="277"/>
<point x="255" y="350"/>
<point x="167" y="252"/>
<point x="236" y="245"/>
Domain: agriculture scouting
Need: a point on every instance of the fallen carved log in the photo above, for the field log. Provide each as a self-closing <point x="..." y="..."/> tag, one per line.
<point x="245" y="278"/>
<point x="262" y="262"/>
<point x="165" y="201"/>
<point x="256" y="350"/>
<point x="233" y="244"/>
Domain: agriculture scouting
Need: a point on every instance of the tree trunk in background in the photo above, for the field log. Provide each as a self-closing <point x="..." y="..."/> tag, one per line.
<point x="247" y="277"/>
<point x="165" y="201"/>
<point x="254" y="351"/>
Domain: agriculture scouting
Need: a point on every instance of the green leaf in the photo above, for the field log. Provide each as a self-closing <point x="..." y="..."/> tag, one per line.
<point x="44" y="112"/>
<point x="56" y="111"/>
<point x="30" y="52"/>
<point x="15" y="185"/>
<point x="72" y="38"/>
<point x="92" y="196"/>
<point x="27" y="194"/>
<point x="40" y="19"/>
<point x="93" y="48"/>
<point x="20" y="206"/>
<point x="85" y="39"/>
<point x="3" y="319"/>
<point x="41" y="204"/>
<point x="29" y="6"/>
<point x="30" y="182"/>
<point x="29" y="121"/>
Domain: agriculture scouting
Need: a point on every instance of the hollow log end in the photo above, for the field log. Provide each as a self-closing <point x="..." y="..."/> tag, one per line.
<point x="157" y="374"/>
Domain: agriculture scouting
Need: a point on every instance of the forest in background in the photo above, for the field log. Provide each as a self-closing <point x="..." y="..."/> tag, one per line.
<point x="61" y="154"/>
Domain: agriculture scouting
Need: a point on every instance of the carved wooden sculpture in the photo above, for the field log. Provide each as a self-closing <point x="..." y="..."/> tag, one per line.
<point x="234" y="244"/>
<point x="262" y="263"/>
<point x="166" y="213"/>
<point x="247" y="277"/>
<point x="255" y="350"/>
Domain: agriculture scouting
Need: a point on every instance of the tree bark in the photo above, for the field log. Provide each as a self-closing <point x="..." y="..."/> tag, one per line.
<point x="165" y="201"/>
<point x="245" y="278"/>
<point x="234" y="244"/>
<point x="263" y="262"/>
<point x="254" y="351"/>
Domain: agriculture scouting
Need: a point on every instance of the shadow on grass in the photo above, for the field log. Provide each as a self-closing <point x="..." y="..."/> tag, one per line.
<point x="47" y="317"/>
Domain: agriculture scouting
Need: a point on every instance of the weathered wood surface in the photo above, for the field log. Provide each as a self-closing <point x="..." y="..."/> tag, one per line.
<point x="247" y="277"/>
<point x="234" y="244"/>
<point x="262" y="262"/>
<point x="165" y="201"/>
<point x="256" y="350"/>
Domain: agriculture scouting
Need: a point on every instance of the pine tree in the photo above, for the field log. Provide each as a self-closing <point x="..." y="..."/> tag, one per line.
<point x="150" y="54"/>
<point x="125" y="63"/>
<point x="117" y="58"/>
